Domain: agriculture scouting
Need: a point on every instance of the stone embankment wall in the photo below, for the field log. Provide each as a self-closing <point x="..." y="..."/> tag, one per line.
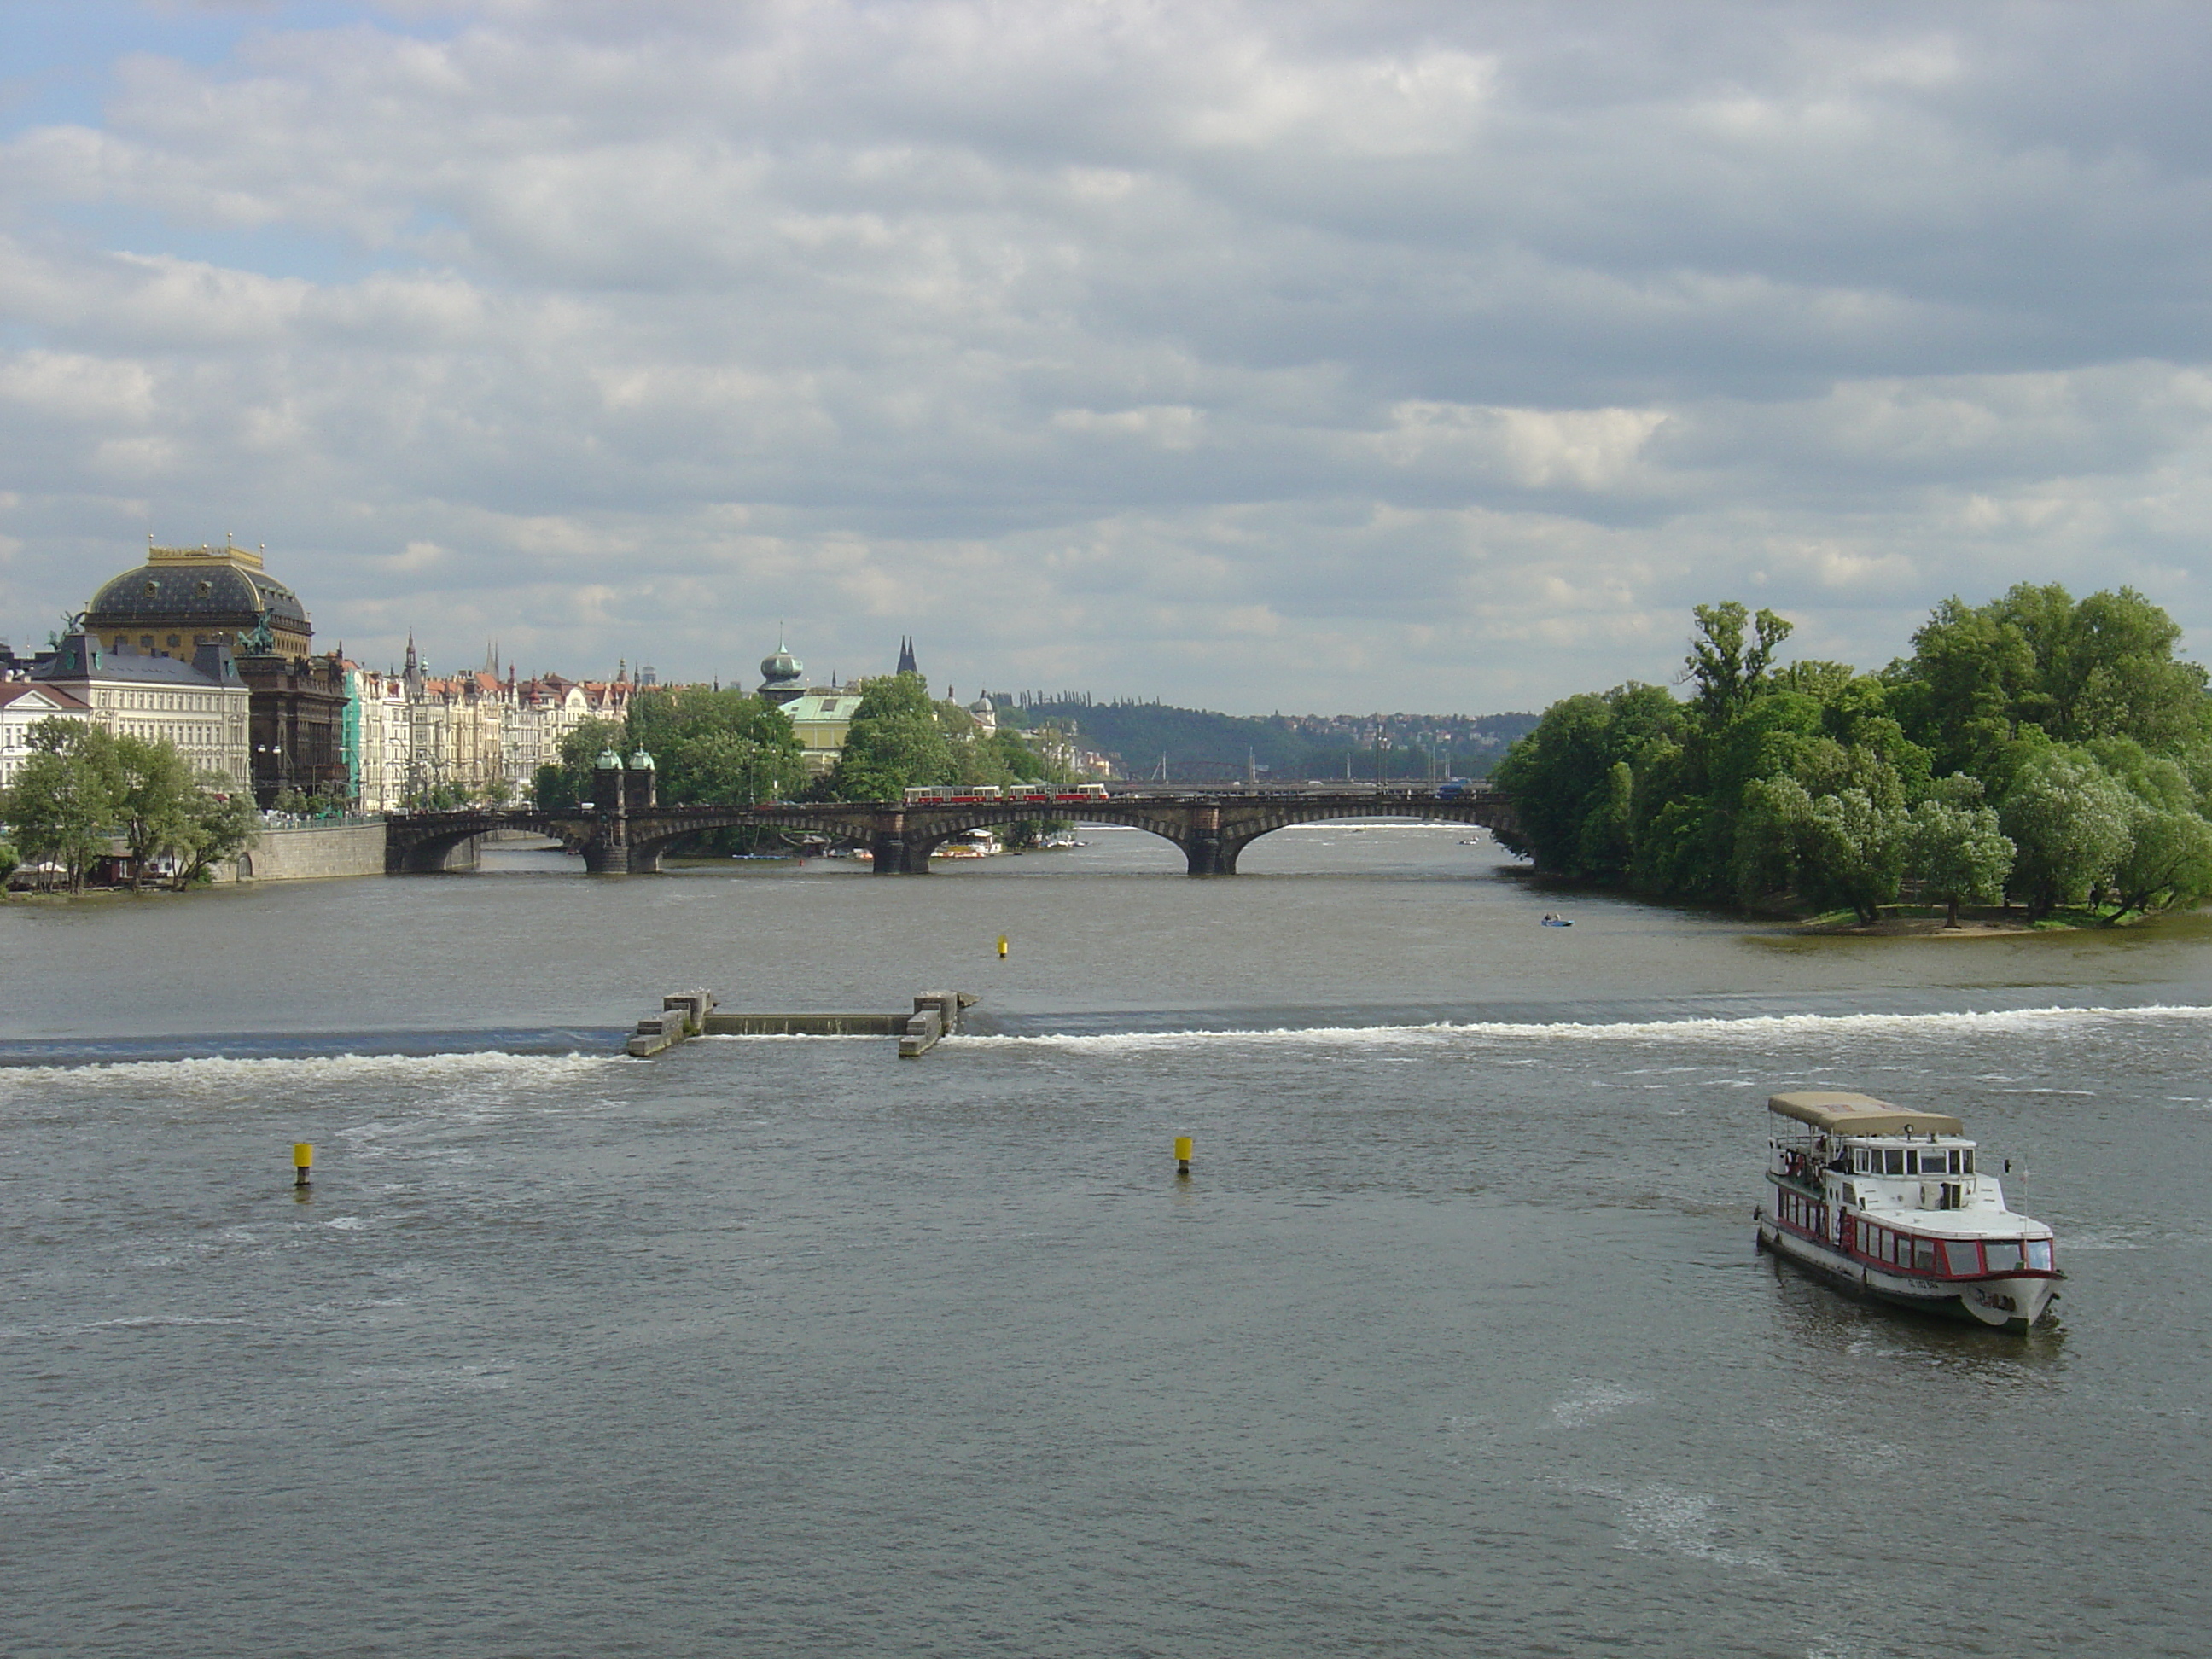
<point x="311" y="851"/>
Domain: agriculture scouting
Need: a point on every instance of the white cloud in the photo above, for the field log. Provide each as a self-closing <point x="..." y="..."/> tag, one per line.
<point x="1188" y="349"/>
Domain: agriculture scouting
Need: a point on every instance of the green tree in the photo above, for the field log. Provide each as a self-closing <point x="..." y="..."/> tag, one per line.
<point x="1955" y="849"/>
<point x="1564" y="771"/>
<point x="895" y="742"/>
<point x="64" y="802"/>
<point x="564" y="786"/>
<point x="715" y="747"/>
<point x="1834" y="829"/>
<point x="2103" y="668"/>
<point x="1727" y="670"/>
<point x="2070" y="824"/>
<point x="221" y="825"/>
<point x="157" y="803"/>
<point x="2168" y="862"/>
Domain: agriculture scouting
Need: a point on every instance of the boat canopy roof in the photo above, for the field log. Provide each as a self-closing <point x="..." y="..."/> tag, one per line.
<point x="1840" y="1113"/>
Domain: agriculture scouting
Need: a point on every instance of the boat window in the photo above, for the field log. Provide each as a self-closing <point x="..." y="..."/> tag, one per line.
<point x="1966" y="1160"/>
<point x="1870" y="1239"/>
<point x="2038" y="1253"/>
<point x="1923" y="1255"/>
<point x="1893" y="1160"/>
<point x="1911" y="1163"/>
<point x="1961" y="1256"/>
<point x="2003" y="1255"/>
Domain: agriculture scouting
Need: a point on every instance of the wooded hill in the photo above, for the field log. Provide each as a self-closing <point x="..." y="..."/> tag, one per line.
<point x="1203" y="747"/>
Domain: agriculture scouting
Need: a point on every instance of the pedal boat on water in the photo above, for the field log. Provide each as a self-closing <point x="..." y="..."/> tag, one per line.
<point x="1888" y="1202"/>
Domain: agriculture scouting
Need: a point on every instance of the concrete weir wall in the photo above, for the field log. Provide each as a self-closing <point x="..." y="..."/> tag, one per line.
<point x="310" y="852"/>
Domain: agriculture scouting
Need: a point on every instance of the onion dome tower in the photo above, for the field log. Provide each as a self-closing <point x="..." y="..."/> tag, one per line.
<point x="783" y="677"/>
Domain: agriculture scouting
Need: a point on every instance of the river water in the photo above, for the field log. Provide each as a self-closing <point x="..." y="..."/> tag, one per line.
<point x="1453" y="1341"/>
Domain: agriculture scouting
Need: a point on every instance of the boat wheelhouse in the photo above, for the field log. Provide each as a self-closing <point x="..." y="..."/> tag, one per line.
<point x="1888" y="1202"/>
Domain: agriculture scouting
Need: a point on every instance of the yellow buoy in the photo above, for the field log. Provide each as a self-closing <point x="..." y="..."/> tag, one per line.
<point x="303" y="1158"/>
<point x="1002" y="945"/>
<point x="1182" y="1154"/>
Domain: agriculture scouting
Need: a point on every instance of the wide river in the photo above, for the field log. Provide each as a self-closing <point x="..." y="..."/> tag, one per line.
<point x="1454" y="1342"/>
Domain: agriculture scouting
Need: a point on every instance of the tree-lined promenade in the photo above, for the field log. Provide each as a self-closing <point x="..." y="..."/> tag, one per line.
<point x="83" y="789"/>
<point x="2035" y="749"/>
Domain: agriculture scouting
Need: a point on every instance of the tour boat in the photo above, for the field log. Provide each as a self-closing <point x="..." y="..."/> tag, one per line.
<point x="1888" y="1202"/>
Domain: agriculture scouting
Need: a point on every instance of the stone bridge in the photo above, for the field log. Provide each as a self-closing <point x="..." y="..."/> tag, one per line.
<point x="1212" y="828"/>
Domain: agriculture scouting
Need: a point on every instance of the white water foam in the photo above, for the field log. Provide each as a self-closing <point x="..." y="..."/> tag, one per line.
<point x="1753" y="1029"/>
<point x="1593" y="1400"/>
<point x="218" y="1076"/>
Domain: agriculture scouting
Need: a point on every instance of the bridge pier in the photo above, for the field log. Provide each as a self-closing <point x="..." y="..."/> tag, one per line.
<point x="895" y="855"/>
<point x="1205" y="850"/>
<point x="1208" y="854"/>
<point x="897" y="850"/>
<point x="430" y="858"/>
<point x="603" y="858"/>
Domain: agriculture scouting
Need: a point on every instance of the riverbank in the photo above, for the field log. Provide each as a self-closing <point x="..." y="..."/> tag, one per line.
<point x="1925" y="922"/>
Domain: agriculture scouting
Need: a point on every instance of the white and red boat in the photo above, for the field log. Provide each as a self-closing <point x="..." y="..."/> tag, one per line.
<point x="1888" y="1202"/>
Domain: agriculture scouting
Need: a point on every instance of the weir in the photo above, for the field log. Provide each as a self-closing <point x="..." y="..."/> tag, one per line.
<point x="686" y="1014"/>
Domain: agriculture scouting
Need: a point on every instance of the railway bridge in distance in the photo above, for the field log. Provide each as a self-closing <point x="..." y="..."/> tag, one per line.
<point x="1212" y="827"/>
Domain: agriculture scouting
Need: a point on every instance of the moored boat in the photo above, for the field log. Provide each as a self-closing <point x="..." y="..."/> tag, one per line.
<point x="1888" y="1202"/>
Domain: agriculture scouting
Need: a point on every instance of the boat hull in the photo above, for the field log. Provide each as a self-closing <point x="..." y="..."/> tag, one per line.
<point x="2009" y="1302"/>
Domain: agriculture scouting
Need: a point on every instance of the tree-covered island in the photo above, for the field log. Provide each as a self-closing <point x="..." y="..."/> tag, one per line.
<point x="2033" y="750"/>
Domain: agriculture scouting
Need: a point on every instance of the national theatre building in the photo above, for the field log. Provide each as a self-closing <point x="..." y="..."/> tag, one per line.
<point x="183" y="598"/>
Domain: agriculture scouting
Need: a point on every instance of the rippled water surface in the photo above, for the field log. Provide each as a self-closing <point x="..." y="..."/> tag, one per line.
<point x="1454" y="1342"/>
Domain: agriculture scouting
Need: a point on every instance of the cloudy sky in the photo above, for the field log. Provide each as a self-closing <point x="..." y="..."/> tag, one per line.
<point x="1319" y="356"/>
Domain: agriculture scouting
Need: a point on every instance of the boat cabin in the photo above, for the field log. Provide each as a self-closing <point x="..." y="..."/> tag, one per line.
<point x="1865" y="1172"/>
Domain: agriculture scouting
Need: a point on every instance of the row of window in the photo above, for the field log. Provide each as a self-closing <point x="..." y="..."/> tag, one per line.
<point x="1957" y="1258"/>
<point x="1912" y="1160"/>
<point x="188" y="737"/>
<point x="204" y="702"/>
<point x="1801" y="1212"/>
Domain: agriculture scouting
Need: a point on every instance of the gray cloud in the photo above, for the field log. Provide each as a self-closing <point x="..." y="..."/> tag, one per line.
<point x="1270" y="356"/>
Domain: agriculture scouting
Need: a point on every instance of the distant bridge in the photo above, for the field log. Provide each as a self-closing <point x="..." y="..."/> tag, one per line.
<point x="1212" y="826"/>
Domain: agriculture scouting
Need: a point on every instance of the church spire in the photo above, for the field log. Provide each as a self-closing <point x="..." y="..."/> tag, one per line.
<point x="906" y="662"/>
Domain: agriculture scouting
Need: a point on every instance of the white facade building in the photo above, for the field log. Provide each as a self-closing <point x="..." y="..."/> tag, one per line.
<point x="202" y="706"/>
<point x="22" y="705"/>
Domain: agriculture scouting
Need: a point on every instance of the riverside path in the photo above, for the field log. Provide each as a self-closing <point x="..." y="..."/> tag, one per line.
<point x="1211" y="826"/>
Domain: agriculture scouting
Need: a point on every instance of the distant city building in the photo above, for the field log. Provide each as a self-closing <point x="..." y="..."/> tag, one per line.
<point x="413" y="735"/>
<point x="822" y="718"/>
<point x="183" y="599"/>
<point x="22" y="705"/>
<point x="203" y="707"/>
<point x="906" y="662"/>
